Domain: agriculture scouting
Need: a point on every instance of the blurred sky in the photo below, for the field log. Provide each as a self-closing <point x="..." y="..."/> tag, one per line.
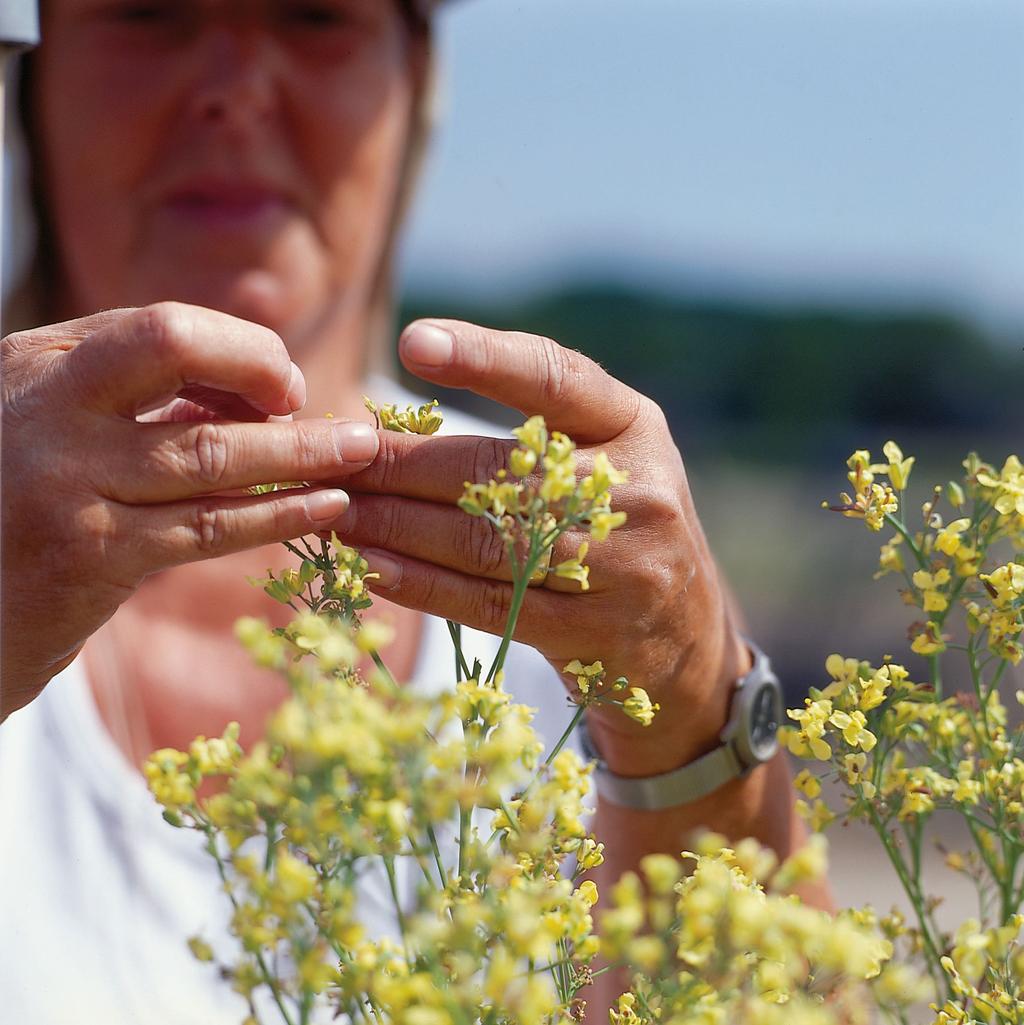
<point x="787" y="149"/>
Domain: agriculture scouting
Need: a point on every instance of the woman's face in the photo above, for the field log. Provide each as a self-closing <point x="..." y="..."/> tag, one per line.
<point x="238" y="154"/>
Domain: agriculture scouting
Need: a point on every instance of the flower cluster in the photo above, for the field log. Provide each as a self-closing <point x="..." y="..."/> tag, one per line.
<point x="986" y="975"/>
<point x="871" y="501"/>
<point x="356" y="773"/>
<point x="330" y="581"/>
<point x="592" y="689"/>
<point x="901" y="750"/>
<point x="358" y="776"/>
<point x="481" y="838"/>
<point x="532" y="514"/>
<point x="425" y="420"/>
<point x="724" y="940"/>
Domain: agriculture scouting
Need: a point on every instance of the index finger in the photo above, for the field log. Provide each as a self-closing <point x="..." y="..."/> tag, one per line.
<point x="527" y="372"/>
<point x="144" y="357"/>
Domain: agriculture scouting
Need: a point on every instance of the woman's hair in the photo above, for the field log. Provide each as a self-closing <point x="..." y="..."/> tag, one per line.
<point x="27" y="305"/>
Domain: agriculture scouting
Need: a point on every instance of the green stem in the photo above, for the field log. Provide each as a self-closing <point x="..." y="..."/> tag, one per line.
<point x="518" y="594"/>
<point x="268" y="858"/>
<point x="912" y="892"/>
<point x="905" y="534"/>
<point x="294" y="549"/>
<point x="509" y="813"/>
<point x="520" y="583"/>
<point x="379" y="663"/>
<point x="436" y="848"/>
<point x="461" y="669"/>
<point x="464" y="819"/>
<point x="567" y="733"/>
<point x="389" y="868"/>
<point x="268" y="978"/>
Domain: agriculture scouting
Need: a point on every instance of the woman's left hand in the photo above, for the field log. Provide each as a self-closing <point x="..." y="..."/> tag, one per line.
<point x="656" y="611"/>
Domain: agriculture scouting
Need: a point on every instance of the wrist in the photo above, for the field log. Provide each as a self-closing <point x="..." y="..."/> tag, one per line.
<point x="695" y="708"/>
<point x="748" y="740"/>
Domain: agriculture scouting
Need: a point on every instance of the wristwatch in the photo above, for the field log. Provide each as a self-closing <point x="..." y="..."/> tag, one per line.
<point x="748" y="740"/>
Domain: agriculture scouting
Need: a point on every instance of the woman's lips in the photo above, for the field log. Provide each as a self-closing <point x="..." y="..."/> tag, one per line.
<point x="234" y="207"/>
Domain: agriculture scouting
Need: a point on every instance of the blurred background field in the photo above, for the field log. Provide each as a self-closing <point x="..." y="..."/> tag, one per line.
<point x="798" y="226"/>
<point x="766" y="405"/>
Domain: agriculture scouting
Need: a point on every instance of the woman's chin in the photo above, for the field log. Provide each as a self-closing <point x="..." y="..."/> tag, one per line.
<point x="257" y="295"/>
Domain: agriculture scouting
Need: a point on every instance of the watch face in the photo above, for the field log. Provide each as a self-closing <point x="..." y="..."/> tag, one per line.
<point x="764" y="721"/>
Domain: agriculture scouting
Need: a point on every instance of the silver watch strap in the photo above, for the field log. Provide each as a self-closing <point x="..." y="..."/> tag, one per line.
<point x="706" y="774"/>
<point x="670" y="789"/>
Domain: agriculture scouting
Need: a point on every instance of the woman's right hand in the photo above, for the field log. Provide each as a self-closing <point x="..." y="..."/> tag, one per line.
<point x="94" y="499"/>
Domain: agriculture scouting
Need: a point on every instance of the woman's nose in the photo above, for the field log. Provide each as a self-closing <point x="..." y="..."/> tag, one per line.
<point x="235" y="83"/>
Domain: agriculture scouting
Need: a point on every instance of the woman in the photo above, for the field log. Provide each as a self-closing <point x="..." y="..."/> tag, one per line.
<point x="249" y="160"/>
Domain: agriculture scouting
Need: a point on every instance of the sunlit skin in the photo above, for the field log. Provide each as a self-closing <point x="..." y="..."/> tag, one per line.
<point x="164" y="114"/>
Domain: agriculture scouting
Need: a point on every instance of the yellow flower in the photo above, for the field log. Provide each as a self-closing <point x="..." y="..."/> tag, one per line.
<point x="170" y="784"/>
<point x="860" y="475"/>
<point x="574" y="569"/>
<point x="586" y="676"/>
<point x="522" y="461"/>
<point x="817" y="814"/>
<point x="809" y="740"/>
<point x="872" y="504"/>
<point x="412" y="421"/>
<point x="201" y="950"/>
<point x="947" y="540"/>
<point x="807" y="783"/>
<point x="899" y="468"/>
<point x="1005" y="584"/>
<point x="929" y="641"/>
<point x="807" y="864"/>
<point x="638" y="706"/>
<point x="933" y="600"/>
<point x="602" y="478"/>
<point x="603" y="522"/>
<point x="533" y="435"/>
<point x="1009" y="486"/>
<point x="374" y="634"/>
<point x="662" y="872"/>
<point x="890" y="559"/>
<point x="559" y="469"/>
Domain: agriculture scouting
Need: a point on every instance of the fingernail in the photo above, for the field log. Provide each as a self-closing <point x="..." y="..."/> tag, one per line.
<point x="296" y="389"/>
<point x="327" y="504"/>
<point x="357" y="442"/>
<point x="388" y="570"/>
<point x="428" y="345"/>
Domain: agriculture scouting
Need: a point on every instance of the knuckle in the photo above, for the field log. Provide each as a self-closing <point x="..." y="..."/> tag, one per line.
<point x="648" y="413"/>
<point x="389" y="525"/>
<point x="387" y="468"/>
<point x="559" y="371"/>
<point x="313" y="445"/>
<point x="207" y="527"/>
<point x="12" y="345"/>
<point x="489" y="456"/>
<point x="480" y="546"/>
<point x="659" y="505"/>
<point x="666" y="506"/>
<point x="491" y="604"/>
<point x="165" y="328"/>
<point x="209" y="456"/>
<point x="92" y="548"/>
